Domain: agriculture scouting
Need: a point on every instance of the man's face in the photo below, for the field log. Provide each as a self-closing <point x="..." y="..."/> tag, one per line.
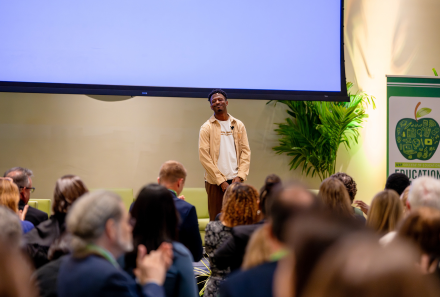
<point x="124" y="235"/>
<point x="218" y="103"/>
<point x="26" y="192"/>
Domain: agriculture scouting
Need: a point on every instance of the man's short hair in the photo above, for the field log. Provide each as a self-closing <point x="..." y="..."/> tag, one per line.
<point x="172" y="171"/>
<point x="88" y="217"/>
<point x="348" y="182"/>
<point x="11" y="232"/>
<point x="217" y="91"/>
<point x="19" y="175"/>
<point x="397" y="182"/>
<point x="424" y="191"/>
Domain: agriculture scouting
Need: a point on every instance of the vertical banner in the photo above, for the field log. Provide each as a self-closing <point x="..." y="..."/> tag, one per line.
<point x="413" y="126"/>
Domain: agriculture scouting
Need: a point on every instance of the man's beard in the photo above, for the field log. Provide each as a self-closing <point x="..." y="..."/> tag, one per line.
<point x="125" y="246"/>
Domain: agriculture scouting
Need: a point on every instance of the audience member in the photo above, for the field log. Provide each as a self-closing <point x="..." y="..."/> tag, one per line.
<point x="101" y="232"/>
<point x="351" y="187"/>
<point x="231" y="252"/>
<point x="385" y="212"/>
<point x="9" y="198"/>
<point x="334" y="195"/>
<point x="257" y="250"/>
<point x="359" y="266"/>
<point x="67" y="189"/>
<point x="15" y="272"/>
<point x="22" y="178"/>
<point x="258" y="281"/>
<point x="422" y="227"/>
<point x="155" y="221"/>
<point x="240" y="209"/>
<point x="396" y="181"/>
<point x="404" y="198"/>
<point x="424" y="191"/>
<point x="172" y="175"/>
<point x="309" y="235"/>
<point x="226" y="196"/>
<point x="11" y="231"/>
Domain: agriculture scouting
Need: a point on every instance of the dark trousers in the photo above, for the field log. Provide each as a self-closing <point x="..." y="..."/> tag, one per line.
<point x="215" y="199"/>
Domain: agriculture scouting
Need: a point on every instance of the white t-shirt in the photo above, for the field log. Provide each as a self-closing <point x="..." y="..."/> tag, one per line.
<point x="227" y="159"/>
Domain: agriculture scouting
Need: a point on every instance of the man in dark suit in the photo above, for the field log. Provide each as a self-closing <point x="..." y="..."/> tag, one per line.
<point x="258" y="281"/>
<point x="172" y="175"/>
<point x="22" y="178"/>
<point x="101" y="232"/>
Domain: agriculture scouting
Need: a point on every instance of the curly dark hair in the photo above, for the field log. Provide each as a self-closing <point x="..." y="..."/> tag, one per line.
<point x="348" y="182"/>
<point x="242" y="206"/>
<point x="217" y="91"/>
<point x="271" y="181"/>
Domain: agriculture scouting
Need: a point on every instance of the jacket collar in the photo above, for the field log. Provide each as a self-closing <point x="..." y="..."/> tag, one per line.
<point x="212" y="119"/>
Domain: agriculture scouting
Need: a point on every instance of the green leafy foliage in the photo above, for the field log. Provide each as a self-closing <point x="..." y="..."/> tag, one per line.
<point x="423" y="111"/>
<point x="313" y="132"/>
<point x="435" y="71"/>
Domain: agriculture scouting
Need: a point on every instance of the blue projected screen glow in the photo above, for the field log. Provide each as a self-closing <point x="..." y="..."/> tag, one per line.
<point x="285" y="47"/>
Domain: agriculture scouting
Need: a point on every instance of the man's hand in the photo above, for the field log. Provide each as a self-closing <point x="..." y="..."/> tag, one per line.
<point x="22" y="213"/>
<point x="224" y="186"/>
<point x="236" y="180"/>
<point x="152" y="268"/>
<point x="181" y="197"/>
<point x="362" y="205"/>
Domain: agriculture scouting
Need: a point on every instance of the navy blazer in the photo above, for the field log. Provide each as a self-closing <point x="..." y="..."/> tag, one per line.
<point x="95" y="276"/>
<point x="255" y="282"/>
<point x="189" y="234"/>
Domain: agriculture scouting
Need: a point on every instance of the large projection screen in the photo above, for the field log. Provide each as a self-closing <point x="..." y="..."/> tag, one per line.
<point x="253" y="49"/>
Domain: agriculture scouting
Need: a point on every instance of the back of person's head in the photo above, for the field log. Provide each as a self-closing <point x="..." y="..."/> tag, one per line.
<point x="348" y="182"/>
<point x="309" y="235"/>
<point x="88" y="217"/>
<point x="287" y="202"/>
<point x="60" y="247"/>
<point x="19" y="175"/>
<point x="385" y="211"/>
<point x="9" y="194"/>
<point x="15" y="274"/>
<point x="359" y="266"/>
<point x="228" y="192"/>
<point x="171" y="172"/>
<point x="242" y="206"/>
<point x="10" y="228"/>
<point x="422" y="227"/>
<point x="266" y="191"/>
<point x="67" y="189"/>
<point x="424" y="191"/>
<point x="397" y="182"/>
<point x="155" y="217"/>
<point x="335" y="197"/>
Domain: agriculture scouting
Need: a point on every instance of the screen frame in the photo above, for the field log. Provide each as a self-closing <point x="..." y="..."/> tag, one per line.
<point x="152" y="91"/>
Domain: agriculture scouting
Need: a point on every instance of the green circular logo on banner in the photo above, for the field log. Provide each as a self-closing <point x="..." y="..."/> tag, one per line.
<point x="418" y="139"/>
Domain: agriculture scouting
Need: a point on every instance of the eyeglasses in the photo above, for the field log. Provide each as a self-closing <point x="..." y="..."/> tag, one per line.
<point x="30" y="189"/>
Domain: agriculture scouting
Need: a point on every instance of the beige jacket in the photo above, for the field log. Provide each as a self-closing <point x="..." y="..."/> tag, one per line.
<point x="209" y="149"/>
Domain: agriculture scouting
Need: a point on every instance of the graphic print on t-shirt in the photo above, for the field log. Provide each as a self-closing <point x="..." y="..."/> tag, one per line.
<point x="227" y="159"/>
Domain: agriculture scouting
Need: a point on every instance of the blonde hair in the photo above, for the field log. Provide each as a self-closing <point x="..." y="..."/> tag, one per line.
<point x="334" y="195"/>
<point x="257" y="250"/>
<point x="9" y="195"/>
<point x="385" y="212"/>
<point x="172" y="171"/>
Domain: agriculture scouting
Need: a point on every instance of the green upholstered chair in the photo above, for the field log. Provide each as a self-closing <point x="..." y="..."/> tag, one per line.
<point x="126" y="195"/>
<point x="41" y="204"/>
<point x="198" y="198"/>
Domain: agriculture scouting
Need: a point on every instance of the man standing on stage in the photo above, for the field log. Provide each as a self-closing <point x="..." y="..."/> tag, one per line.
<point x="223" y="151"/>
